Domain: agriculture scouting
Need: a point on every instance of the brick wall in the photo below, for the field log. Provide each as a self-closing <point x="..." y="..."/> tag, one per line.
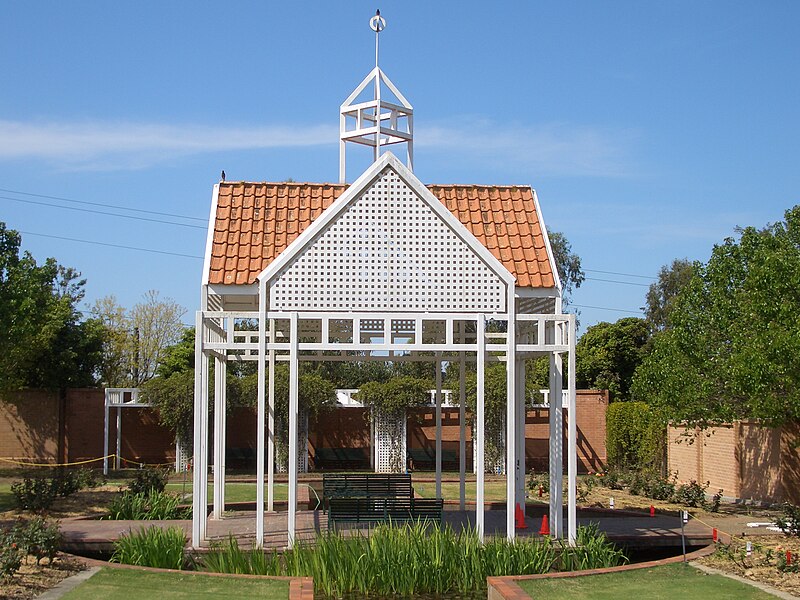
<point x="29" y="426"/>
<point x="745" y="460"/>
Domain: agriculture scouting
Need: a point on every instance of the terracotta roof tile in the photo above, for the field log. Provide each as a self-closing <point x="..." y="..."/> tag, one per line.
<point x="255" y="222"/>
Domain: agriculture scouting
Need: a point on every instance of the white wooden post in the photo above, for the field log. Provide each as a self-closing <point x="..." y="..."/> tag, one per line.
<point x="199" y="475"/>
<point x="117" y="458"/>
<point x="438" y="364"/>
<point x="572" y="451"/>
<point x="219" y="437"/>
<point x="271" y="423"/>
<point x="462" y="434"/>
<point x="556" y="450"/>
<point x="293" y="415"/>
<point x="521" y="400"/>
<point x="262" y="323"/>
<point x="511" y="418"/>
<point x="479" y="428"/>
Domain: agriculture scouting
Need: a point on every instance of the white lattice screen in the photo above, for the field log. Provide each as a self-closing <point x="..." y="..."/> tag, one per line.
<point x="388" y="251"/>
<point x="390" y="443"/>
<point x="302" y="445"/>
<point x="499" y="438"/>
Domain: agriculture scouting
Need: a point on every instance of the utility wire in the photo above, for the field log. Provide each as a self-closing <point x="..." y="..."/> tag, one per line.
<point x="58" y="237"/>
<point x="101" y="212"/>
<point x="622" y="310"/>
<point x="115" y="206"/>
<point x="616" y="273"/>
<point x="618" y="282"/>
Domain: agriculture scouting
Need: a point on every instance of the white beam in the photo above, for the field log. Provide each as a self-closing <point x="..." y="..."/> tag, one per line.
<point x="219" y="438"/>
<point x="556" y="450"/>
<point x="462" y="434"/>
<point x="271" y="424"/>
<point x="572" y="451"/>
<point x="512" y="465"/>
<point x="198" y="493"/>
<point x="294" y="360"/>
<point x="479" y="429"/>
<point x="438" y="364"/>
<point x="262" y="310"/>
<point x="521" y="399"/>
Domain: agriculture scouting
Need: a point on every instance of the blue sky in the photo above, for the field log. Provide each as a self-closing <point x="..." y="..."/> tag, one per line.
<point x="649" y="130"/>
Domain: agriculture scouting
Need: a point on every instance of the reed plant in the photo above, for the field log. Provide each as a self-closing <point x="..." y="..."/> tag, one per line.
<point x="147" y="506"/>
<point x="411" y="559"/>
<point x="152" y="547"/>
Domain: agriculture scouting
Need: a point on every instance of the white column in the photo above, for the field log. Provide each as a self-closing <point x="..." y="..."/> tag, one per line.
<point x="199" y="476"/>
<point x="271" y="423"/>
<point x="511" y="419"/>
<point x="262" y="325"/>
<point x="438" y="425"/>
<point x="479" y="429"/>
<point x="105" y="437"/>
<point x="572" y="452"/>
<point x="521" y="399"/>
<point x="219" y="437"/>
<point x="556" y="450"/>
<point x="293" y="415"/>
<point x="118" y="457"/>
<point x="462" y="434"/>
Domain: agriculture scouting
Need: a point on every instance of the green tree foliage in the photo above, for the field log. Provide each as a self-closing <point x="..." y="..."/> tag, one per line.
<point x="568" y="264"/>
<point x="396" y="395"/>
<point x="607" y="355"/>
<point x="635" y="436"/>
<point x="44" y="343"/>
<point x="661" y="295"/>
<point x="733" y="349"/>
<point x="135" y="341"/>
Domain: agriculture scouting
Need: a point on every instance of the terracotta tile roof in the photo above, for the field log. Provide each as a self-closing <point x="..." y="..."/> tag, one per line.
<point x="255" y="222"/>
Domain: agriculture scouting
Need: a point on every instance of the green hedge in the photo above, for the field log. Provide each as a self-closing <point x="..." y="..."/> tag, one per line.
<point x="635" y="436"/>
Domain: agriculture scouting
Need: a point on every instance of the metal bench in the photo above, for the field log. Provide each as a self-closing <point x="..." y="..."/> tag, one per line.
<point x="364" y="510"/>
<point x="366" y="485"/>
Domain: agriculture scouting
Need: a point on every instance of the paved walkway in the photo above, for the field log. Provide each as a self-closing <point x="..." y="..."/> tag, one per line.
<point x="82" y="534"/>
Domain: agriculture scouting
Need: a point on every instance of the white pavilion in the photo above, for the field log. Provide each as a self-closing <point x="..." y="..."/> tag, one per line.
<point x="384" y="268"/>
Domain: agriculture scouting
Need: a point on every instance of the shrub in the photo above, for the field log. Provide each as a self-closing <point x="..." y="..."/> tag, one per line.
<point x="151" y="506"/>
<point x="691" y="494"/>
<point x="152" y="547"/>
<point x="38" y="538"/>
<point x="34" y="494"/>
<point x="635" y="436"/>
<point x="10" y="555"/>
<point x="537" y="480"/>
<point x="789" y="523"/>
<point x="148" y="479"/>
<point x="592" y="551"/>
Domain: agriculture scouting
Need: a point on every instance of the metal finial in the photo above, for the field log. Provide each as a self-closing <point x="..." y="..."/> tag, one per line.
<point x="377" y="24"/>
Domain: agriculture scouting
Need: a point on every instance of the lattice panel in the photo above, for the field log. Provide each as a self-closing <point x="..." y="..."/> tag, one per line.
<point x="388" y="251"/>
<point x="390" y="443"/>
<point x="499" y="437"/>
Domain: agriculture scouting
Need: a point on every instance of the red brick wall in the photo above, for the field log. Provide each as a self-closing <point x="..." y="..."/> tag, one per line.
<point x="29" y="427"/>
<point x="745" y="460"/>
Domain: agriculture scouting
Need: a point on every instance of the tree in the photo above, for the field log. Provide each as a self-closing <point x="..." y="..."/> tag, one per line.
<point x="661" y="294"/>
<point x="568" y="265"/>
<point x="733" y="349"/>
<point x="44" y="343"/>
<point x="135" y="341"/>
<point x="606" y="356"/>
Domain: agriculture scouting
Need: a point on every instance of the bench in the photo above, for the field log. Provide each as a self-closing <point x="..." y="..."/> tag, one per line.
<point x="241" y="458"/>
<point x="424" y="460"/>
<point x="366" y="485"/>
<point x="341" y="458"/>
<point x="363" y="510"/>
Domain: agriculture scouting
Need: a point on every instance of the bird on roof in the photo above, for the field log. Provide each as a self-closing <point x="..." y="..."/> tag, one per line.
<point x="222" y="176"/>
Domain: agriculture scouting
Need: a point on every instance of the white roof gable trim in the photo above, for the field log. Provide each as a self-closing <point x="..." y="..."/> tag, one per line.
<point x="387" y="243"/>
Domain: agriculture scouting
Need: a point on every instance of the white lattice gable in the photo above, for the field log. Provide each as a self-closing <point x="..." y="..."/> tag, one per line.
<point x="387" y="244"/>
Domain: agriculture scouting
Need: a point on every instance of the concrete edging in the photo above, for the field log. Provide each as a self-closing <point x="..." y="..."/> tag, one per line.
<point x="300" y="588"/>
<point x="506" y="588"/>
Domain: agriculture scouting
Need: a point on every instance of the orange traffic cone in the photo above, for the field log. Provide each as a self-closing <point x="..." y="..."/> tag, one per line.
<point x="520" y="518"/>
<point x="545" y="528"/>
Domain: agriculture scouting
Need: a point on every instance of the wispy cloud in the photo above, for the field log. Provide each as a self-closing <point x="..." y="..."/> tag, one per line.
<point x="118" y="145"/>
<point x="544" y="149"/>
<point x="552" y="149"/>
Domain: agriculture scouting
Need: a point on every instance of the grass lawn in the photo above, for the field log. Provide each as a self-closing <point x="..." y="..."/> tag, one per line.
<point x="126" y="584"/>
<point x="494" y="490"/>
<point x="6" y="497"/>
<point x="667" y="583"/>
<point x="234" y="492"/>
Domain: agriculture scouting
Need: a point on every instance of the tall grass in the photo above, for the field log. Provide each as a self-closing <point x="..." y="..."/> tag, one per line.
<point x="410" y="559"/>
<point x="152" y="547"/>
<point x="147" y="506"/>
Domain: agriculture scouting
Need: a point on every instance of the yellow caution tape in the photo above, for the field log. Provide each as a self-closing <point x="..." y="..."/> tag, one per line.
<point x="69" y="464"/>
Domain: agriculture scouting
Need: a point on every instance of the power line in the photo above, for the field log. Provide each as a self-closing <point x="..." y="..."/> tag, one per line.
<point x="116" y="206"/>
<point x="101" y="212"/>
<point x="82" y="241"/>
<point x="622" y="274"/>
<point x="618" y="282"/>
<point x="622" y="310"/>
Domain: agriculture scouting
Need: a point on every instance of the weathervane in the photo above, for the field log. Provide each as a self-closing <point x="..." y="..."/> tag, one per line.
<point x="380" y="121"/>
<point x="377" y="24"/>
